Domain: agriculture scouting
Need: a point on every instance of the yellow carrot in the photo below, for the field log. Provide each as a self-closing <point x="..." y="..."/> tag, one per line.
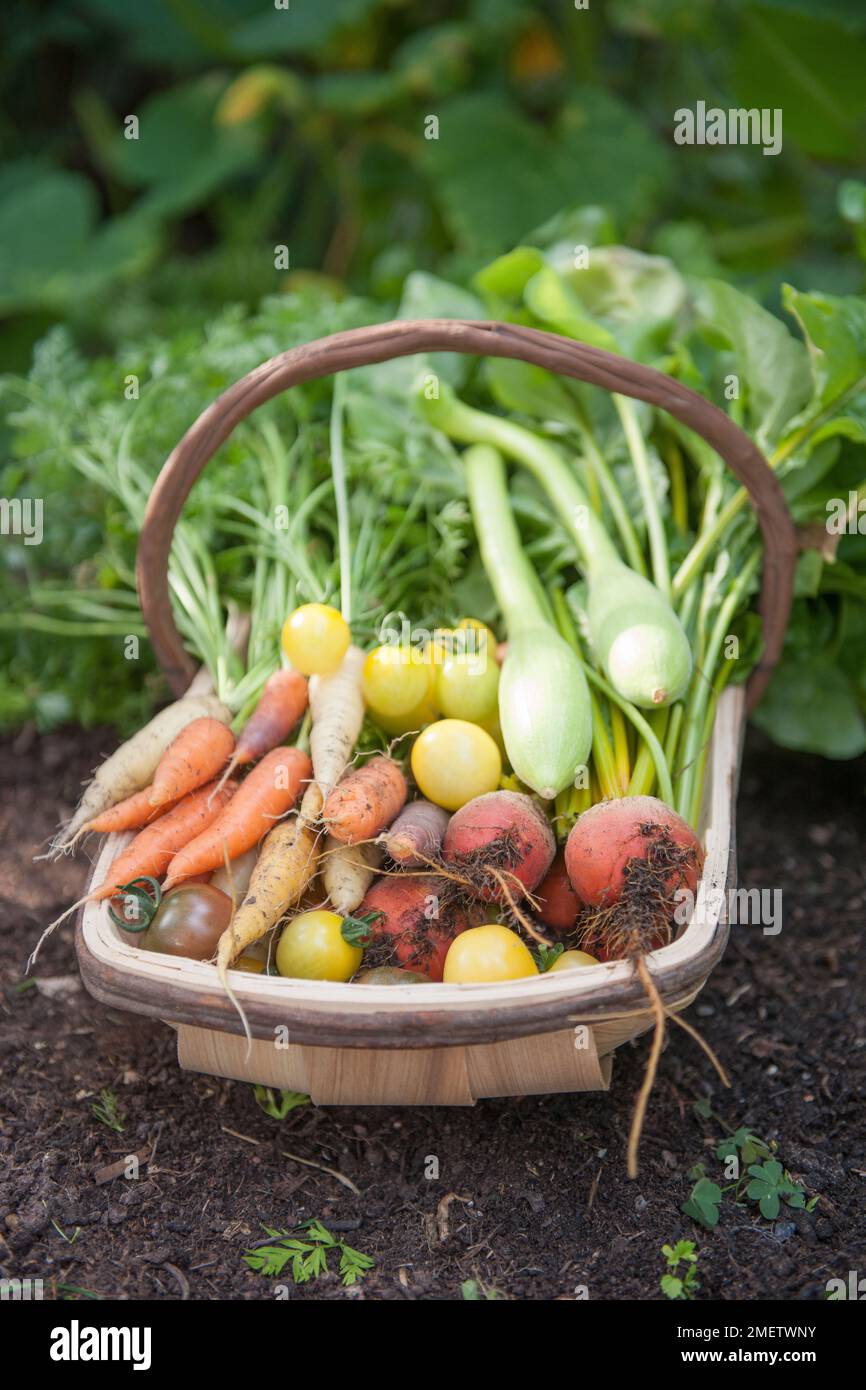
<point x="285" y="868"/>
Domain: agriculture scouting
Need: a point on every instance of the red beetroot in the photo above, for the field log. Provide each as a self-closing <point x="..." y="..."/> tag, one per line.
<point x="605" y="949"/>
<point x="558" y="904"/>
<point x="504" y="833"/>
<point x="418" y="920"/>
<point x="608" y="835"/>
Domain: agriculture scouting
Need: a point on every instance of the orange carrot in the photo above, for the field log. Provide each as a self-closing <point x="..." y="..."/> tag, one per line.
<point x="269" y="791"/>
<point x="154" y="847"/>
<point x="281" y="704"/>
<point x="366" y="801"/>
<point x="130" y="814"/>
<point x="198" y="753"/>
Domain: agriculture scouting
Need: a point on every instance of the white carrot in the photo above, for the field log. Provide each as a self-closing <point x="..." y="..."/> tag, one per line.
<point x="347" y="872"/>
<point x="337" y="710"/>
<point x="132" y="766"/>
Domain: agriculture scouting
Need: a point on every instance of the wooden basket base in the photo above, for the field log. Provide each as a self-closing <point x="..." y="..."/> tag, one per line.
<point x="566" y="1060"/>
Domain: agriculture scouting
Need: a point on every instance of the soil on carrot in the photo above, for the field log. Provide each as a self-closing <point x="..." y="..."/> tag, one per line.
<point x="525" y="1197"/>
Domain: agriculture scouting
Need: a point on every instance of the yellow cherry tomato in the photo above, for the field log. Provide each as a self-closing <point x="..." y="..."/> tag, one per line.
<point x="572" y="960"/>
<point x="412" y="722"/>
<point x="315" y="639"/>
<point x="454" y="761"/>
<point x="312" y="947"/>
<point x="251" y="964"/>
<point x="441" y="645"/>
<point x="395" y="680"/>
<point x="475" y="636"/>
<point x="467" y="685"/>
<point x="487" y="954"/>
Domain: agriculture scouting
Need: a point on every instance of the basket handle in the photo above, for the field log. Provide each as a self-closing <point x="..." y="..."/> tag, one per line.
<point x="359" y="347"/>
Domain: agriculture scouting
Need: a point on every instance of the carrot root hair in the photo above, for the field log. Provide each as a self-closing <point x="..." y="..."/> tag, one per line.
<point x="232" y="763"/>
<point x="52" y="926"/>
<point x="649" y="1076"/>
<point x="222" y="971"/>
<point x="63" y="843"/>
<point x="661" y="1014"/>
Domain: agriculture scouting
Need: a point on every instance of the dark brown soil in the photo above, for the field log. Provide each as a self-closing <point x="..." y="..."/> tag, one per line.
<point x="531" y="1196"/>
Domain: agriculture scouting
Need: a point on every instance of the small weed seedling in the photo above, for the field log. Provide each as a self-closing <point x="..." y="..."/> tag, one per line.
<point x="679" y="1282"/>
<point x="70" y="1240"/>
<point x="771" y="1185"/>
<point x="107" y="1109"/>
<point x="278" y="1104"/>
<point x="473" y="1291"/>
<point x="545" y="958"/>
<point x="703" y="1202"/>
<point x="306" y="1249"/>
<point x="757" y="1177"/>
<point x="74" y="1293"/>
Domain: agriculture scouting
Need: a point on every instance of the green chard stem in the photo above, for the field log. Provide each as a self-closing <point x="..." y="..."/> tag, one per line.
<point x="613" y="497"/>
<point x="689" y="789"/>
<point x="640" y="461"/>
<point x="644" y="729"/>
<point x="644" y="773"/>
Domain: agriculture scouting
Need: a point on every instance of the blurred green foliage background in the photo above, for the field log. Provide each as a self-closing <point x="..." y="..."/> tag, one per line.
<point x="306" y="127"/>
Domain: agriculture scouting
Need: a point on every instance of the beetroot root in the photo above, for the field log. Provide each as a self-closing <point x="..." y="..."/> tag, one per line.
<point x="558" y="904"/>
<point x="502" y="843"/>
<point x="421" y="919"/>
<point x="609" y="835"/>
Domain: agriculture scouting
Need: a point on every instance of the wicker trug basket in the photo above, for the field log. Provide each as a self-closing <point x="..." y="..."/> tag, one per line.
<point x="436" y="1044"/>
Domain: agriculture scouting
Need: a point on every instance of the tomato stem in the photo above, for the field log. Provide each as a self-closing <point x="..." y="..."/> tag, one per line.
<point x="148" y="896"/>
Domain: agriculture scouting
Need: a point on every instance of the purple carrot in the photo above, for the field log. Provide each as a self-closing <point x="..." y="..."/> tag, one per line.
<point x="415" y="837"/>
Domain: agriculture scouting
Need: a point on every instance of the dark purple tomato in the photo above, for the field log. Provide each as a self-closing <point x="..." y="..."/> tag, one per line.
<point x="189" y="922"/>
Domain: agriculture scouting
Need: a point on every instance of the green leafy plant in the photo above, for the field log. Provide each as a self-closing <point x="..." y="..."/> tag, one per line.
<point x="107" y="1110"/>
<point x="258" y="532"/>
<point x="770" y="1186"/>
<point x="306" y="1249"/>
<point x="546" y="956"/>
<point x="279" y="1104"/>
<point x="743" y="1145"/>
<point x="703" y="1203"/>
<point x="680" y="1281"/>
<point x="758" y="1177"/>
<point x="473" y="1291"/>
